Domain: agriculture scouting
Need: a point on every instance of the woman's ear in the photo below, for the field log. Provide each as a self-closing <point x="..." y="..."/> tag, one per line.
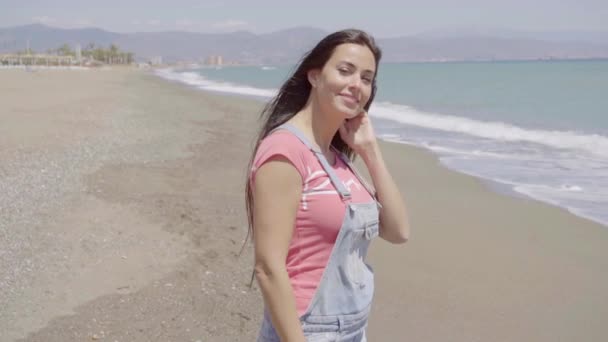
<point x="313" y="76"/>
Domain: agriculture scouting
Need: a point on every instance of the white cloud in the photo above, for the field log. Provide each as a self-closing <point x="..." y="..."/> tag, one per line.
<point x="230" y="24"/>
<point x="83" y="23"/>
<point x="76" y="23"/>
<point x="184" y="23"/>
<point x="44" y="20"/>
<point x="153" y="22"/>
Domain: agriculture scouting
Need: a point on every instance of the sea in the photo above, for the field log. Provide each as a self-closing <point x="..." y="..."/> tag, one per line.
<point x="531" y="128"/>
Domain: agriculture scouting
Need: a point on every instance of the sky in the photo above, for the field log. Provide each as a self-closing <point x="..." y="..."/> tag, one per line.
<point x="384" y="18"/>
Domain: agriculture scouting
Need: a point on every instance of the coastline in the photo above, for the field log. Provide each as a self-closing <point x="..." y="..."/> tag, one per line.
<point x="514" y="158"/>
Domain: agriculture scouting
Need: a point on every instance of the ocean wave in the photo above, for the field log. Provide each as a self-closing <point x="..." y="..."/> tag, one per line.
<point x="472" y="153"/>
<point x="592" y="143"/>
<point x="196" y="80"/>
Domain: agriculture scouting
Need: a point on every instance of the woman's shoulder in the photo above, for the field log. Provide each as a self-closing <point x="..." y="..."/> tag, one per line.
<point x="282" y="140"/>
<point x="282" y="143"/>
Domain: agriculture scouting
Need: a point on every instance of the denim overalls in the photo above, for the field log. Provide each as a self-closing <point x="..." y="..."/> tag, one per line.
<point x="340" y="307"/>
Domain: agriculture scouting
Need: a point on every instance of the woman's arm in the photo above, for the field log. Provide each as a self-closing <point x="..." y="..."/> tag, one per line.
<point x="276" y="197"/>
<point x="394" y="223"/>
<point x="359" y="134"/>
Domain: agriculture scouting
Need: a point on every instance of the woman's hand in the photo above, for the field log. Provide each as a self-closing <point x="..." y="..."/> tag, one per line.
<point x="358" y="133"/>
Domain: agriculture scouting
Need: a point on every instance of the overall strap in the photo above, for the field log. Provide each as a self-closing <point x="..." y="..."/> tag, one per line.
<point x="342" y="190"/>
<point x="366" y="185"/>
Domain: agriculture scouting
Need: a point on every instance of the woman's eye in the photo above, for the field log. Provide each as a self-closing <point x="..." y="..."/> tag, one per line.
<point x="343" y="71"/>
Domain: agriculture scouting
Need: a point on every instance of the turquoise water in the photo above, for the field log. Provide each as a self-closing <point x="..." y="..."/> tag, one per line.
<point x="556" y="95"/>
<point x="540" y="128"/>
<point x="567" y="95"/>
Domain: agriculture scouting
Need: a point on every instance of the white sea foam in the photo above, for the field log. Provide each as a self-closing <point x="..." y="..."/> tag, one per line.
<point x="196" y="80"/>
<point x="472" y="153"/>
<point x="591" y="143"/>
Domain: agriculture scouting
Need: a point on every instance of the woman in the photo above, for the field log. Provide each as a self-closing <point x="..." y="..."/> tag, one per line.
<point x="311" y="215"/>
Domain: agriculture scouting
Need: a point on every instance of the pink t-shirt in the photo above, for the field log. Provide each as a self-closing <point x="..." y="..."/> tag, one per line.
<point x="320" y="214"/>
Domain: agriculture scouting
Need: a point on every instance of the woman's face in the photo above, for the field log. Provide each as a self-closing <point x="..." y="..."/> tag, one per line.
<point x="344" y="84"/>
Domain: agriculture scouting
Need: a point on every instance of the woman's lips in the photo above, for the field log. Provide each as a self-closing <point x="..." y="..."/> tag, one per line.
<point x="350" y="98"/>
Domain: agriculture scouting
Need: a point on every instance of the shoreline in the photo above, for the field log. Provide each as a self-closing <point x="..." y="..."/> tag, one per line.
<point x="497" y="186"/>
<point x="485" y="266"/>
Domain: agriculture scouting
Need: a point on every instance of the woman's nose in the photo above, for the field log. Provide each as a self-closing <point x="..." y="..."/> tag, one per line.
<point x="355" y="82"/>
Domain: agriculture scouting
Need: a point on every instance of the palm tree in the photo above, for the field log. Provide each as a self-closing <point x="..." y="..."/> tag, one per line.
<point x="65" y="50"/>
<point x="99" y="54"/>
<point x="113" y="53"/>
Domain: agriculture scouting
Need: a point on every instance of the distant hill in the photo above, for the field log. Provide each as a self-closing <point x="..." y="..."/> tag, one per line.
<point x="596" y="37"/>
<point x="287" y="46"/>
<point x="43" y="37"/>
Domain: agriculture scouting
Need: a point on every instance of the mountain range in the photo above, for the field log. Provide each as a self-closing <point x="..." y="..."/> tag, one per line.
<point x="286" y="46"/>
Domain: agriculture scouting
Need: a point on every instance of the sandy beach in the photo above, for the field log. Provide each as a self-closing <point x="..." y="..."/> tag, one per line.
<point x="122" y="216"/>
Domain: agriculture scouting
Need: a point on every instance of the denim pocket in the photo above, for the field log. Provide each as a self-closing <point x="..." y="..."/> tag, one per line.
<point x="372" y="229"/>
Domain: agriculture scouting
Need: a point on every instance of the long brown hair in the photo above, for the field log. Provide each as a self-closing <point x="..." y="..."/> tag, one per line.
<point x="294" y="93"/>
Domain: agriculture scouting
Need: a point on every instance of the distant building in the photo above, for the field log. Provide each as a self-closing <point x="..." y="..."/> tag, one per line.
<point x="78" y="53"/>
<point x="214" y="60"/>
<point x="35" y="59"/>
<point x="156" y="60"/>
